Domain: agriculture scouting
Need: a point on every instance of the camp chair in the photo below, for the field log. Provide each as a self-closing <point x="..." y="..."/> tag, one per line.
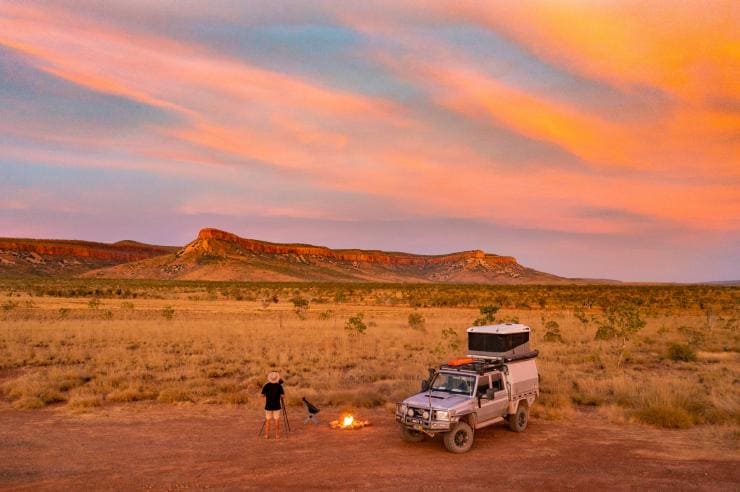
<point x="311" y="410"/>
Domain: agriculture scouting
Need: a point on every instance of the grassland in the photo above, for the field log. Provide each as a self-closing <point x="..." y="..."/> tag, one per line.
<point x="667" y="355"/>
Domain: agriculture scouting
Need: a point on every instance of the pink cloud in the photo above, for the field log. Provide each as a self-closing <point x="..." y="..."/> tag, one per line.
<point x="345" y="141"/>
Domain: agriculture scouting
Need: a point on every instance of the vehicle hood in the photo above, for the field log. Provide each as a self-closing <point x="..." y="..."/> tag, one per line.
<point x="440" y="400"/>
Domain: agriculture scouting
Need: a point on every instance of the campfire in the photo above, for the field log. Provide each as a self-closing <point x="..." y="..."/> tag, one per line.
<point x="348" y="422"/>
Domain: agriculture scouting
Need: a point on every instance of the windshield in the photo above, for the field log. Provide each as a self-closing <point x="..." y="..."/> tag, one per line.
<point x="454" y="383"/>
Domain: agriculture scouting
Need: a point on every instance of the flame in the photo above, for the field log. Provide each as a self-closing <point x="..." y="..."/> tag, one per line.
<point x="347" y="421"/>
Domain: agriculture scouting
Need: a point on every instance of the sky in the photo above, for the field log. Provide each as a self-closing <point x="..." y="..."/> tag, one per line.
<point x="586" y="138"/>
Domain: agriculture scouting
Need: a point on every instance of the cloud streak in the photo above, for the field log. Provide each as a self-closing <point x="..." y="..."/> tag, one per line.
<point x="605" y="119"/>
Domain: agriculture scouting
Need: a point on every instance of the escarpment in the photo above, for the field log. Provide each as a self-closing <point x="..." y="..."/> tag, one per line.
<point x="212" y="241"/>
<point x="220" y="255"/>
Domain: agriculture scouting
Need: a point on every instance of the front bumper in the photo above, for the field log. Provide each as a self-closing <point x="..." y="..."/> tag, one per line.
<point x="419" y="422"/>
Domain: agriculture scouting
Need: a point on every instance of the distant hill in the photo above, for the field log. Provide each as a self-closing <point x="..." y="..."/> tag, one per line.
<point x="220" y="255"/>
<point x="732" y="283"/>
<point x="53" y="257"/>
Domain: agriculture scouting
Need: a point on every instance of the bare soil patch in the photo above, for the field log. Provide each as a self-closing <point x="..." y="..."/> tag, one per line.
<point x="160" y="447"/>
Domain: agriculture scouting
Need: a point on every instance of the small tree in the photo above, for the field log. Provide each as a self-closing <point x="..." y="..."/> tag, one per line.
<point x="449" y="343"/>
<point x="300" y="306"/>
<point x="620" y="321"/>
<point x="580" y="316"/>
<point x="416" y="321"/>
<point x="355" y="325"/>
<point x="488" y="315"/>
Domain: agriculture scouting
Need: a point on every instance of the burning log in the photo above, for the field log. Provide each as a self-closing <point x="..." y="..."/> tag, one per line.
<point x="348" y="422"/>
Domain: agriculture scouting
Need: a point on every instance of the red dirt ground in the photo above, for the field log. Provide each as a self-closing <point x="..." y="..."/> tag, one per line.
<point x="197" y="447"/>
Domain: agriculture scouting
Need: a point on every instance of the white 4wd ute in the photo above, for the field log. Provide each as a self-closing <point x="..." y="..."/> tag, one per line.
<point x="497" y="381"/>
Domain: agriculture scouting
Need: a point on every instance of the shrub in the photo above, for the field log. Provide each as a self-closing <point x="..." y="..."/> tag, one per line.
<point x="668" y="416"/>
<point x="300" y="306"/>
<point x="168" y="312"/>
<point x="680" y="352"/>
<point x="416" y="321"/>
<point x="93" y="303"/>
<point x="328" y="314"/>
<point x="552" y="332"/>
<point x="355" y="324"/>
<point x="9" y="305"/>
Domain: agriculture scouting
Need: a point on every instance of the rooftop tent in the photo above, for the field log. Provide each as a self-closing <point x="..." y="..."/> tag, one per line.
<point x="504" y="340"/>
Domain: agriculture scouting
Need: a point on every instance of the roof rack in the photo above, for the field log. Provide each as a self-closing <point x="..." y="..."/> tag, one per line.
<point x="483" y="365"/>
<point x="476" y="365"/>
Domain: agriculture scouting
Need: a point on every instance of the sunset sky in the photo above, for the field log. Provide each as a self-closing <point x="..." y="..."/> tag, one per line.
<point x="585" y="138"/>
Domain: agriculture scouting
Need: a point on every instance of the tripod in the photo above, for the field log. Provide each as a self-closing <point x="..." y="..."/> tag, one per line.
<point x="285" y="418"/>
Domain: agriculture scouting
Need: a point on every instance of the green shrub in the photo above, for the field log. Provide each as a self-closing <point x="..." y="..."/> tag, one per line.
<point x="355" y="324"/>
<point x="552" y="333"/>
<point x="300" y="306"/>
<point x="680" y="352"/>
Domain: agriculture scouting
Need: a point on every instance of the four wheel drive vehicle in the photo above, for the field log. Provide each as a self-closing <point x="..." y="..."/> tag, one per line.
<point x="497" y="381"/>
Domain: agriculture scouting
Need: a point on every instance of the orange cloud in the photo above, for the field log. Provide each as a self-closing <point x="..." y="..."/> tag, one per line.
<point x="676" y="168"/>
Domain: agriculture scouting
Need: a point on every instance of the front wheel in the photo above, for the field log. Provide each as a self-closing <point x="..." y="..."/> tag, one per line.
<point x="518" y="421"/>
<point x="459" y="439"/>
<point x="410" y="435"/>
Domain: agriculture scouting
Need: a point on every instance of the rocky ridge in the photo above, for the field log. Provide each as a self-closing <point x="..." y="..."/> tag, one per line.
<point x="221" y="255"/>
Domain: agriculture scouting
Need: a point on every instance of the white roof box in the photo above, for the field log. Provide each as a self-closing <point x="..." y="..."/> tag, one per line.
<point x="498" y="341"/>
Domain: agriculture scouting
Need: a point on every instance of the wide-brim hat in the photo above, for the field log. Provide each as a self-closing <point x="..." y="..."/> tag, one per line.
<point x="273" y="377"/>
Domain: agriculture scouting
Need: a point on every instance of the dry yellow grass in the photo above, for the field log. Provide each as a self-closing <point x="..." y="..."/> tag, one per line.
<point x="204" y="348"/>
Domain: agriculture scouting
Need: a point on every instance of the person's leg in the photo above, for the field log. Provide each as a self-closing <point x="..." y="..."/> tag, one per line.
<point x="267" y="425"/>
<point x="277" y="425"/>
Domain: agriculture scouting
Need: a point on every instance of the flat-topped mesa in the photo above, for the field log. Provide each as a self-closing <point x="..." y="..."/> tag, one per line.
<point x="205" y="236"/>
<point x="125" y="252"/>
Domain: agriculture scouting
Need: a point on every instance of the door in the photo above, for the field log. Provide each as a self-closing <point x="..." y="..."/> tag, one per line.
<point x="485" y="408"/>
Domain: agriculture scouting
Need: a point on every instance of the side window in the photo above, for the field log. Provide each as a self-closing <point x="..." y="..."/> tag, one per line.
<point x="483" y="385"/>
<point x="496" y="381"/>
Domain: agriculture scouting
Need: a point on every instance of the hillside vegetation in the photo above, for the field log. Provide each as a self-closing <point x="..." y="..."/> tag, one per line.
<point x="664" y="355"/>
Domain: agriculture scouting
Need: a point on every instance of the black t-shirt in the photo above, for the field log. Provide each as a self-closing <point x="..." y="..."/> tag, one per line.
<point x="272" y="391"/>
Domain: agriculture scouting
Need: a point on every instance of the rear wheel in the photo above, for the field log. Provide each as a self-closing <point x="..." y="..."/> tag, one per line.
<point x="459" y="439"/>
<point x="410" y="435"/>
<point x="518" y="421"/>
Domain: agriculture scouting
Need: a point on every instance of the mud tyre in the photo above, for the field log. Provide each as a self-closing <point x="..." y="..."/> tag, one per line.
<point x="410" y="435"/>
<point x="459" y="439"/>
<point x="519" y="420"/>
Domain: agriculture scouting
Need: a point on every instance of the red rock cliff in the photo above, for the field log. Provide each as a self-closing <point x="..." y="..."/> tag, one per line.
<point x="83" y="249"/>
<point x="205" y="236"/>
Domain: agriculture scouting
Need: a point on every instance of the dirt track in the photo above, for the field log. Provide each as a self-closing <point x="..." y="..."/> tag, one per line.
<point x="197" y="447"/>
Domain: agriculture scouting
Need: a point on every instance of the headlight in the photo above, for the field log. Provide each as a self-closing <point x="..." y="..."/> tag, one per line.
<point x="425" y="414"/>
<point x="410" y="412"/>
<point x="441" y="415"/>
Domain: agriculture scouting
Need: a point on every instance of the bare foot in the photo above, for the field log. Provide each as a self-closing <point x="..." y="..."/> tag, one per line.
<point x="267" y="437"/>
<point x="277" y="437"/>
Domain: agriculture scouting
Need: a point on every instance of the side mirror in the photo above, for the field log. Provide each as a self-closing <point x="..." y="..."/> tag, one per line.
<point x="424" y="385"/>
